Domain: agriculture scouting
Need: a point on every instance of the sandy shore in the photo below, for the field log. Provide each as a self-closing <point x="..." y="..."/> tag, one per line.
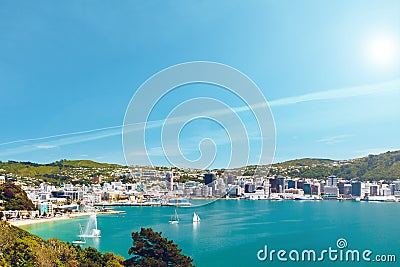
<point x="52" y="219"/>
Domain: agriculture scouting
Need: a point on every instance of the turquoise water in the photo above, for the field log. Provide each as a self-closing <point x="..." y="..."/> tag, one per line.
<point x="231" y="232"/>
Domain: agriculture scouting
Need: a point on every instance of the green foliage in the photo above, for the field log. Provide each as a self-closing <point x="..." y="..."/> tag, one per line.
<point x="83" y="164"/>
<point x="14" y="197"/>
<point x="373" y="167"/>
<point x="57" y="172"/>
<point x="20" y="248"/>
<point x="384" y="166"/>
<point x="151" y="249"/>
<point x="303" y="162"/>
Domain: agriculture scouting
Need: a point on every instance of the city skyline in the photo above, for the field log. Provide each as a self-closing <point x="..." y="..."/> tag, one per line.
<point x="332" y="81"/>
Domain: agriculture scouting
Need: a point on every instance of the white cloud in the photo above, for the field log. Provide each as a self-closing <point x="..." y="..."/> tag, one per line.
<point x="347" y="92"/>
<point x="45" y="146"/>
<point x="335" y="139"/>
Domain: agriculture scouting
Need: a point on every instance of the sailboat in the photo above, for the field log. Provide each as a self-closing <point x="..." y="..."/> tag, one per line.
<point x="174" y="218"/>
<point x="196" y="217"/>
<point x="80" y="241"/>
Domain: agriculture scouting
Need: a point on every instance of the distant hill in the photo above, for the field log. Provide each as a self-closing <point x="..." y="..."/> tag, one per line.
<point x="372" y="167"/>
<point x="304" y="162"/>
<point x="55" y="172"/>
<point x="84" y="164"/>
<point x="382" y="166"/>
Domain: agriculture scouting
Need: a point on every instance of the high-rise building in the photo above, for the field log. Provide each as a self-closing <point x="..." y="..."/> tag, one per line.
<point x="315" y="189"/>
<point x="249" y="188"/>
<point x="291" y="184"/>
<point x="396" y="188"/>
<point x="332" y="180"/>
<point x="341" y="187"/>
<point x="281" y="183"/>
<point x="300" y="184"/>
<point x="169" y="179"/>
<point x="373" y="190"/>
<point x="209" y="178"/>
<point x="347" y="189"/>
<point x="356" y="189"/>
<point x="230" y="179"/>
<point x="392" y="188"/>
<point x="307" y="189"/>
<point x="274" y="185"/>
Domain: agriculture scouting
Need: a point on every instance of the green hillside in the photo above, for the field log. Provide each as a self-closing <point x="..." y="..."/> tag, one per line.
<point x="14" y="198"/>
<point x="375" y="167"/>
<point x="20" y="248"/>
<point x="304" y="162"/>
<point x="382" y="166"/>
<point x="56" y="172"/>
<point x="372" y="167"/>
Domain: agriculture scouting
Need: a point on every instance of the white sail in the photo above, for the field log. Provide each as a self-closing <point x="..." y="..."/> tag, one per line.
<point x="174" y="219"/>
<point x="196" y="217"/>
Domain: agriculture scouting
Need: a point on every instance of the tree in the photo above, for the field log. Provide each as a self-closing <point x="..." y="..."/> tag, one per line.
<point x="151" y="249"/>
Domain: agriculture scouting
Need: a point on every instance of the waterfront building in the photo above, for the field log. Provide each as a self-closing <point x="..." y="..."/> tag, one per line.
<point x="331" y="192"/>
<point x="385" y="190"/>
<point x="291" y="184"/>
<point x="347" y="190"/>
<point x="274" y="182"/>
<point x="373" y="190"/>
<point x="397" y="188"/>
<point x="392" y="188"/>
<point x="341" y="187"/>
<point x="315" y="189"/>
<point x="307" y="189"/>
<point x="46" y="208"/>
<point x="281" y="184"/>
<point x="300" y="184"/>
<point x="356" y="189"/>
<point x="249" y="188"/>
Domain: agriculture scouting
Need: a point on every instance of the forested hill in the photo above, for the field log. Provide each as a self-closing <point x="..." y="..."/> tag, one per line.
<point x="14" y="198"/>
<point x="57" y="172"/>
<point x="20" y="248"/>
<point x="371" y="167"/>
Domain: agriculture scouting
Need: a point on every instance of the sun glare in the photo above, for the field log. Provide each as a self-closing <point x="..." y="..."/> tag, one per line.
<point x="382" y="51"/>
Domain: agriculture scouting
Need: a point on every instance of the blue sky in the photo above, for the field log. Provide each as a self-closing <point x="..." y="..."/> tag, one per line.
<point x="68" y="69"/>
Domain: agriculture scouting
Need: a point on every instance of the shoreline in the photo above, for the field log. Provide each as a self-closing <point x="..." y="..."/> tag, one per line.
<point x="18" y="223"/>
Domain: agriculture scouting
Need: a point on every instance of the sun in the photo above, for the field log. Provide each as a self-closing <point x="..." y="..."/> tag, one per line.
<point x="382" y="51"/>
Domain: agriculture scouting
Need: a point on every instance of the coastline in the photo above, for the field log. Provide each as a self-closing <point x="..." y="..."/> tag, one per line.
<point x="18" y="223"/>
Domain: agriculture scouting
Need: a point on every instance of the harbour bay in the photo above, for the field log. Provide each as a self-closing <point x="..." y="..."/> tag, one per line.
<point x="232" y="232"/>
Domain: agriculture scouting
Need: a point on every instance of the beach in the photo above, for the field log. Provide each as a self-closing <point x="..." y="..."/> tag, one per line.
<point x="51" y="219"/>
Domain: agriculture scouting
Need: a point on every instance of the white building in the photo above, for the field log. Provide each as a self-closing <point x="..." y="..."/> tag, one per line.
<point x="2" y="180"/>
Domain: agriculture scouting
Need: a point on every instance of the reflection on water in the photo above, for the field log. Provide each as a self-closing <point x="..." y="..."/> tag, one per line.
<point x="231" y="232"/>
